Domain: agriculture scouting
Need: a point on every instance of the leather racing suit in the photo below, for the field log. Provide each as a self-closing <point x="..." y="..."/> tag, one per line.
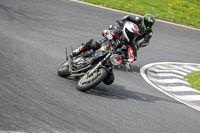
<point x="143" y="34"/>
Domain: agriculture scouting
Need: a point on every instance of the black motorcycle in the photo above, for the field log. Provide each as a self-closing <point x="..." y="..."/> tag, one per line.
<point x="91" y="67"/>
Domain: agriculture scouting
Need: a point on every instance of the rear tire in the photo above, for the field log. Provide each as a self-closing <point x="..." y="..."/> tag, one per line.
<point x="63" y="70"/>
<point x="83" y="84"/>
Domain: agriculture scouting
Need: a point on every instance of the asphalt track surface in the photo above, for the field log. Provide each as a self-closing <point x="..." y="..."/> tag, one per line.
<point x="33" y="98"/>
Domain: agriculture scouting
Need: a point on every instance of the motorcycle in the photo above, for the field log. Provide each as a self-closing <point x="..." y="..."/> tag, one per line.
<point x="91" y="67"/>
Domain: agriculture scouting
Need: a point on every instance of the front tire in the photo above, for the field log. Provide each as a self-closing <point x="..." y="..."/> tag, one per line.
<point x="63" y="70"/>
<point x="86" y="83"/>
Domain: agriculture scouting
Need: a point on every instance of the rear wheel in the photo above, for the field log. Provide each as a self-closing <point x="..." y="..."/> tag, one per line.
<point x="63" y="70"/>
<point x="88" y="82"/>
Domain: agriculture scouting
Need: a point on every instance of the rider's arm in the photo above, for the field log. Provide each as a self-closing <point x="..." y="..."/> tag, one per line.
<point x="145" y="42"/>
<point x="134" y="52"/>
<point x="125" y="18"/>
<point x="134" y="19"/>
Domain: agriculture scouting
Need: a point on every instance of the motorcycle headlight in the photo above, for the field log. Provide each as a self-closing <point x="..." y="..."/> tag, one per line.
<point x="115" y="59"/>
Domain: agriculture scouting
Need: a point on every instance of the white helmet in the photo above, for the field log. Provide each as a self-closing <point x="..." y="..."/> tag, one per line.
<point x="130" y="31"/>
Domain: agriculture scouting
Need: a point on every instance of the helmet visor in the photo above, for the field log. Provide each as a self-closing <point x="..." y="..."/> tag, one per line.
<point x="148" y="24"/>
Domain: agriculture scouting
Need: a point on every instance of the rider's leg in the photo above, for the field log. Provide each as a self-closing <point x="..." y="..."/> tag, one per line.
<point x="86" y="47"/>
<point x="135" y="54"/>
<point x="132" y="53"/>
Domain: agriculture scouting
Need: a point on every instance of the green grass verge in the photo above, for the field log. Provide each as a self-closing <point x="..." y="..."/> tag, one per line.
<point x="186" y="12"/>
<point x="194" y="79"/>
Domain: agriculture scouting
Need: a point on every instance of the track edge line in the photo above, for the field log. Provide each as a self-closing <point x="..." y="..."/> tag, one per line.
<point x="142" y="72"/>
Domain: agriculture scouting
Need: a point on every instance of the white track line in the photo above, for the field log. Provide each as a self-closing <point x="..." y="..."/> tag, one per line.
<point x="175" y="71"/>
<point x="185" y="69"/>
<point x="169" y="81"/>
<point x="142" y="72"/>
<point x="179" y="89"/>
<point x="164" y="67"/>
<point x="115" y="10"/>
<point x="164" y="74"/>
<point x="192" y="68"/>
<point x="181" y="68"/>
<point x="11" y="131"/>
<point x="189" y="97"/>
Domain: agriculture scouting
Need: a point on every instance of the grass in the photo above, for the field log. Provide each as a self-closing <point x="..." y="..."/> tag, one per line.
<point x="186" y="12"/>
<point x="194" y="79"/>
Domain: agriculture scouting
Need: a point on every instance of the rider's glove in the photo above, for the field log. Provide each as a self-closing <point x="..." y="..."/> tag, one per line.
<point x="109" y="35"/>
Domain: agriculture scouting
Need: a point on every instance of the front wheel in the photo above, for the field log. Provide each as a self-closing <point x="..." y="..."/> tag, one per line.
<point x="63" y="70"/>
<point x="88" y="82"/>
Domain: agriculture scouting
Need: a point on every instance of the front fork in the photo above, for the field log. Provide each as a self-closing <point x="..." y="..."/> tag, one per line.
<point x="99" y="64"/>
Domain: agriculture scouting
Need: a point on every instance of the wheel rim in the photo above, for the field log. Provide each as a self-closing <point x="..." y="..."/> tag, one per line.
<point x="85" y="80"/>
<point x="64" y="66"/>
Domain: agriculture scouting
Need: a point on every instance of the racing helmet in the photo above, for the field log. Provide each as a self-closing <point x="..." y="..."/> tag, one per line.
<point x="130" y="31"/>
<point x="148" y="21"/>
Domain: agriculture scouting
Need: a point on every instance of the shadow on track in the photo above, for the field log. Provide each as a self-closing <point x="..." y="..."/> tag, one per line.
<point x="133" y="69"/>
<point x="116" y="91"/>
<point x="119" y="92"/>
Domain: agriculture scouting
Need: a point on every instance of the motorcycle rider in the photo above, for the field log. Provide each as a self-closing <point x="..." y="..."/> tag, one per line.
<point x="125" y="36"/>
<point x="121" y="37"/>
<point x="144" y="23"/>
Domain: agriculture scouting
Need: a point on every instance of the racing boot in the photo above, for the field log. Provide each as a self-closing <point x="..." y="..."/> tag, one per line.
<point x="77" y="51"/>
<point x="91" y="44"/>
